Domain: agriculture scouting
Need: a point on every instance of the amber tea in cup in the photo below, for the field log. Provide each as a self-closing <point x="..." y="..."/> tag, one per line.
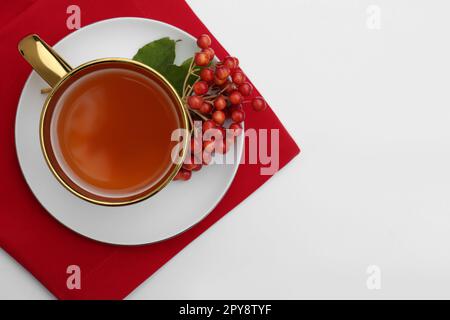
<point x="106" y="128"/>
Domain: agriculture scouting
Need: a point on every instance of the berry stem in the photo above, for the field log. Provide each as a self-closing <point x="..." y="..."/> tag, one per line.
<point x="189" y="92"/>
<point x="212" y="96"/>
<point x="187" y="76"/>
<point x="223" y="90"/>
<point x="198" y="114"/>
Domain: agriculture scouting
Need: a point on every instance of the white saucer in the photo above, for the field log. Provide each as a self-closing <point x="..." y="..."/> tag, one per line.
<point x="176" y="208"/>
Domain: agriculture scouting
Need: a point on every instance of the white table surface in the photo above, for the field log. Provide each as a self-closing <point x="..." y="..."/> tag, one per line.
<point x="370" y="109"/>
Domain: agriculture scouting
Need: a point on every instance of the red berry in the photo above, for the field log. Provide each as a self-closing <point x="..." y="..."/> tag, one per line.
<point x="221" y="146"/>
<point x="231" y="87"/>
<point x="220" y="103"/>
<point x="207" y="158"/>
<point x="208" y="124"/>
<point x="207" y="74"/>
<point x="208" y="146"/>
<point x="230" y="62"/>
<point x="219" y="82"/>
<point x="238" y="77"/>
<point x="200" y="88"/>
<point x="189" y="166"/>
<point x="216" y="133"/>
<point x="235" y="97"/>
<point x="259" y="104"/>
<point x="205" y="108"/>
<point x="178" y="176"/>
<point x="231" y="109"/>
<point x="236" y="107"/>
<point x="204" y="41"/>
<point x="218" y="117"/>
<point x="238" y="116"/>
<point x="245" y="89"/>
<point x="236" y="129"/>
<point x="226" y="84"/>
<point x="195" y="102"/>
<point x="209" y="52"/>
<point x="222" y="72"/>
<point x="236" y="61"/>
<point x="201" y="59"/>
<point x="193" y="165"/>
<point x="221" y="132"/>
<point x="183" y="175"/>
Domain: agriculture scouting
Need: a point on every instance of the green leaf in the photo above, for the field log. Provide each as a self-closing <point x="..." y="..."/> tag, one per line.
<point x="158" y="54"/>
<point x="177" y="74"/>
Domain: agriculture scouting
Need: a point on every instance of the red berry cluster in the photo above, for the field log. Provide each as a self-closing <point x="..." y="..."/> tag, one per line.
<point x="218" y="94"/>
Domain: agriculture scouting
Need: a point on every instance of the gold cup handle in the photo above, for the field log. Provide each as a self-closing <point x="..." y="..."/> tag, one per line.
<point x="44" y="60"/>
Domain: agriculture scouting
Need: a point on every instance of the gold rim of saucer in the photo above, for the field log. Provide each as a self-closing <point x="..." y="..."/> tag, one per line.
<point x="185" y="120"/>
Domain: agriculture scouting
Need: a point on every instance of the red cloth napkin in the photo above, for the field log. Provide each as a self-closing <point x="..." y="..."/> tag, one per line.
<point x="27" y="231"/>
